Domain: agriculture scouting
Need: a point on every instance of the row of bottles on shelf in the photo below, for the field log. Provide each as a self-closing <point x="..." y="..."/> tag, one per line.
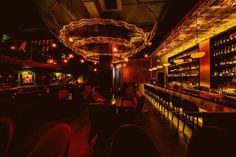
<point x="225" y="39"/>
<point x="228" y="61"/>
<point x="185" y="68"/>
<point x="225" y="50"/>
<point x="227" y="88"/>
<point x="184" y="74"/>
<point x="179" y="83"/>
<point x="226" y="72"/>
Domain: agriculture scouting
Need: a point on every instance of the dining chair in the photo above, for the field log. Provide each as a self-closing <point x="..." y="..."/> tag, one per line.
<point x="54" y="143"/>
<point x="131" y="140"/>
<point x="208" y="141"/>
<point x="6" y="134"/>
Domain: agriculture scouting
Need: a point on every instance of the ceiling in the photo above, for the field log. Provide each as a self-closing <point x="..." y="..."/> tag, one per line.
<point x="154" y="17"/>
<point x="203" y="22"/>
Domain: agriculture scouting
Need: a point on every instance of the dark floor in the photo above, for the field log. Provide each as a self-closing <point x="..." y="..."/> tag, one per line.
<point x="168" y="141"/>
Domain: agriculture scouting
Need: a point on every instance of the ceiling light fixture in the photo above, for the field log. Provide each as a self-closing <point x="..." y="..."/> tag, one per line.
<point x="82" y="61"/>
<point x="125" y="46"/>
<point x="198" y="54"/>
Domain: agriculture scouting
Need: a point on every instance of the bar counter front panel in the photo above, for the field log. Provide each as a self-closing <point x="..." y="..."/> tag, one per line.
<point x="205" y="105"/>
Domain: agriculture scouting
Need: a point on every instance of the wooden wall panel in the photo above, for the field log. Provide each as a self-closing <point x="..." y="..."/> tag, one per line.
<point x="205" y="64"/>
<point x="136" y="71"/>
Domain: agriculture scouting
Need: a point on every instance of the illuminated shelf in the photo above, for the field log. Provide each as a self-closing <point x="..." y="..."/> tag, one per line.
<point x="225" y="76"/>
<point x="184" y="76"/>
<point x="222" y="53"/>
<point x="225" y="54"/>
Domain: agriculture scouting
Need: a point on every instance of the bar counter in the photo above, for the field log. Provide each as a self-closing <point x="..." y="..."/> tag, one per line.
<point x="203" y="102"/>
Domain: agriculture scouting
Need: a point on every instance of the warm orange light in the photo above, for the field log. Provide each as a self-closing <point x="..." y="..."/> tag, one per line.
<point x="13" y="48"/>
<point x="198" y="54"/>
<point x="114" y="49"/>
<point x="95" y="63"/>
<point x="126" y="59"/>
<point x="71" y="39"/>
<point x="70" y="56"/>
<point x="51" y="61"/>
<point x="149" y="43"/>
<point x="54" y="45"/>
<point x="150" y="69"/>
<point x="118" y="66"/>
<point x="95" y="69"/>
<point x="65" y="60"/>
<point x="146" y="55"/>
<point x="82" y="61"/>
<point x="159" y="66"/>
<point x="124" y="65"/>
<point x="178" y="61"/>
<point x="166" y="64"/>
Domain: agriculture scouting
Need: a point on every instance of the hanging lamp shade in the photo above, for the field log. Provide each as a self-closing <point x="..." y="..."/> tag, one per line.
<point x="178" y="61"/>
<point x="159" y="66"/>
<point x="166" y="64"/>
<point x="198" y="54"/>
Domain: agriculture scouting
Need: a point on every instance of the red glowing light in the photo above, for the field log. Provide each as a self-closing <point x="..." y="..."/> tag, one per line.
<point x="13" y="48"/>
<point x="149" y="43"/>
<point x="70" y="56"/>
<point x="65" y="60"/>
<point x="51" y="61"/>
<point x="146" y="55"/>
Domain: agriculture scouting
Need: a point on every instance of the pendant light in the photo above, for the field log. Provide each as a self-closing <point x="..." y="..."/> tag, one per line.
<point x="198" y="54"/>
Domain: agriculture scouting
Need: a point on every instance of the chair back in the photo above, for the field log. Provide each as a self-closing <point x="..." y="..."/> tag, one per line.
<point x="177" y="101"/>
<point x="207" y="142"/>
<point x="102" y="117"/>
<point x="189" y="106"/>
<point x="54" y="143"/>
<point x="140" y="103"/>
<point x="131" y="140"/>
<point x="6" y="133"/>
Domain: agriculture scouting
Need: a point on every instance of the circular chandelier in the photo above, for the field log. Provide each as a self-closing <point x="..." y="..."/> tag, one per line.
<point x="87" y="35"/>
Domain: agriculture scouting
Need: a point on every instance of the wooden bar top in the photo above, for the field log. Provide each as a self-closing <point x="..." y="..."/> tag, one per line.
<point x="206" y="105"/>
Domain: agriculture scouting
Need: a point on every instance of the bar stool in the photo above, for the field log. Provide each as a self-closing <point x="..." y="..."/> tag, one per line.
<point x="190" y="110"/>
<point x="167" y="100"/>
<point x="177" y="104"/>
